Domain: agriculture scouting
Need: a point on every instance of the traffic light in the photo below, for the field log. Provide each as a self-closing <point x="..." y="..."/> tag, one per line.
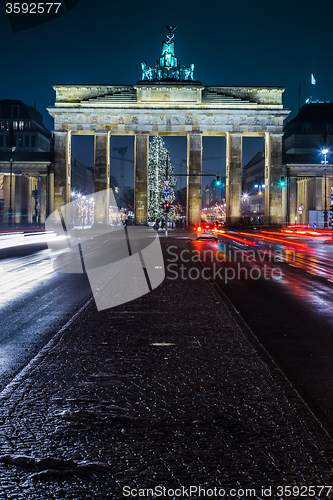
<point x="218" y="180"/>
<point x="167" y="206"/>
<point x="282" y="181"/>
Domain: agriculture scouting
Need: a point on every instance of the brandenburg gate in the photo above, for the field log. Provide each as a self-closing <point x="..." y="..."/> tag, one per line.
<point x="167" y="101"/>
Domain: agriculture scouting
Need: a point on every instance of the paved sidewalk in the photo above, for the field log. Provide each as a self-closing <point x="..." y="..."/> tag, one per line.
<point x="165" y="391"/>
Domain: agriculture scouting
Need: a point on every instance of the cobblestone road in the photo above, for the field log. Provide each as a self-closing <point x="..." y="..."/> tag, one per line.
<point x="166" y="390"/>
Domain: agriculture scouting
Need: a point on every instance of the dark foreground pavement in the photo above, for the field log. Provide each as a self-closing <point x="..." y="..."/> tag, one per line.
<point x="170" y="391"/>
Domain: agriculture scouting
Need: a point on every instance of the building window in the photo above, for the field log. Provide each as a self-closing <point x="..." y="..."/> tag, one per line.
<point x="15" y="125"/>
<point x="21" y="125"/>
<point x="15" y="111"/>
<point x="306" y="142"/>
<point x="1" y="141"/>
<point x="33" y="141"/>
<point x="26" y="141"/>
<point x="27" y="125"/>
<point x="3" y="125"/>
<point x="307" y="127"/>
<point x="328" y="128"/>
<point x="8" y="141"/>
<point x="20" y="141"/>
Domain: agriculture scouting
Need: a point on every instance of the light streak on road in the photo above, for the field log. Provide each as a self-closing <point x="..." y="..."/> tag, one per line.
<point x="241" y="240"/>
<point x="21" y="275"/>
<point x="12" y="240"/>
<point x="277" y="240"/>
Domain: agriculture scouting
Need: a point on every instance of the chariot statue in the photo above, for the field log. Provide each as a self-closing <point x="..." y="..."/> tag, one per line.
<point x="168" y="66"/>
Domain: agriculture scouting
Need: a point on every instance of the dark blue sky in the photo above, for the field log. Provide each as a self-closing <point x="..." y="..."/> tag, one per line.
<point x="231" y="43"/>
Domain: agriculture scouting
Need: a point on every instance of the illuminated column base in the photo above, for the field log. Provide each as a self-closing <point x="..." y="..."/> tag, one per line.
<point x="194" y="170"/>
<point x="275" y="209"/>
<point x="102" y="177"/>
<point x="141" y="179"/>
<point x="62" y="169"/>
<point x="233" y="179"/>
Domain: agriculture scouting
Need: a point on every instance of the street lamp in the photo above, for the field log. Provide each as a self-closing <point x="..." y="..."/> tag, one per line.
<point x="260" y="188"/>
<point x="324" y="152"/>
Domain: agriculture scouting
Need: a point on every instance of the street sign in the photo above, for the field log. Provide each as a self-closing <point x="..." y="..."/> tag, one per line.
<point x="166" y="192"/>
<point x="331" y="196"/>
<point x="331" y="188"/>
<point x="300" y="208"/>
<point x="314" y="225"/>
<point x="167" y="184"/>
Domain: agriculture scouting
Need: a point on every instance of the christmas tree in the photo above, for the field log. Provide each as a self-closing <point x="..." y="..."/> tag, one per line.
<point x="158" y="157"/>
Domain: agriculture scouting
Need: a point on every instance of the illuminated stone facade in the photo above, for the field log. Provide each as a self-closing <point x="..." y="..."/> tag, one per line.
<point x="178" y="109"/>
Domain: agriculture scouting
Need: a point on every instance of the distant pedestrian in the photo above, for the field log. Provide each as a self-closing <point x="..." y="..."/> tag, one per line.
<point x="156" y="226"/>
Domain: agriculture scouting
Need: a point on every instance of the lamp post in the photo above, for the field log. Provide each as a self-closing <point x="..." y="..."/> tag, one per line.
<point x="324" y="152"/>
<point x="260" y="187"/>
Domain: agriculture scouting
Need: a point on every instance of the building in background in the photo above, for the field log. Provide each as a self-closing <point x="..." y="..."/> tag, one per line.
<point x="303" y="185"/>
<point x="305" y="136"/>
<point x="82" y="177"/>
<point x="29" y="132"/>
<point x="25" y="164"/>
<point x="214" y="192"/>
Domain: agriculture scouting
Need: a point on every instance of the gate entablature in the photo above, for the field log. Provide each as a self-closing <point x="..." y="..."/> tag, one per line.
<point x="154" y="108"/>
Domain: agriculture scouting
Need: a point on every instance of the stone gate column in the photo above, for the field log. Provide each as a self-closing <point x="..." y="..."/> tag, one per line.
<point x="141" y="179"/>
<point x="194" y="170"/>
<point x="275" y="212"/>
<point x="50" y="190"/>
<point x="62" y="168"/>
<point x="292" y="200"/>
<point x="102" y="176"/>
<point x="233" y="178"/>
<point x="43" y="199"/>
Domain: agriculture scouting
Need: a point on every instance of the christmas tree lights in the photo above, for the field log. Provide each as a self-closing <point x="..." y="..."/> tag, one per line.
<point x="157" y="165"/>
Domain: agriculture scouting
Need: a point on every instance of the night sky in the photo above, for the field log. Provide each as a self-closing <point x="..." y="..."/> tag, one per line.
<point x="231" y="43"/>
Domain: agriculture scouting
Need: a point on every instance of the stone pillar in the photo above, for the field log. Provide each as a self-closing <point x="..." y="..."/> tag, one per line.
<point x="233" y="178"/>
<point x="43" y="199"/>
<point x="267" y="176"/>
<point x="17" y="196"/>
<point x="62" y="168"/>
<point x="275" y="210"/>
<point x="102" y="176"/>
<point x="302" y="199"/>
<point x="50" y="191"/>
<point x="194" y="170"/>
<point x="22" y="194"/>
<point x="318" y="204"/>
<point x="141" y="179"/>
<point x="292" y="200"/>
<point x="33" y="185"/>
